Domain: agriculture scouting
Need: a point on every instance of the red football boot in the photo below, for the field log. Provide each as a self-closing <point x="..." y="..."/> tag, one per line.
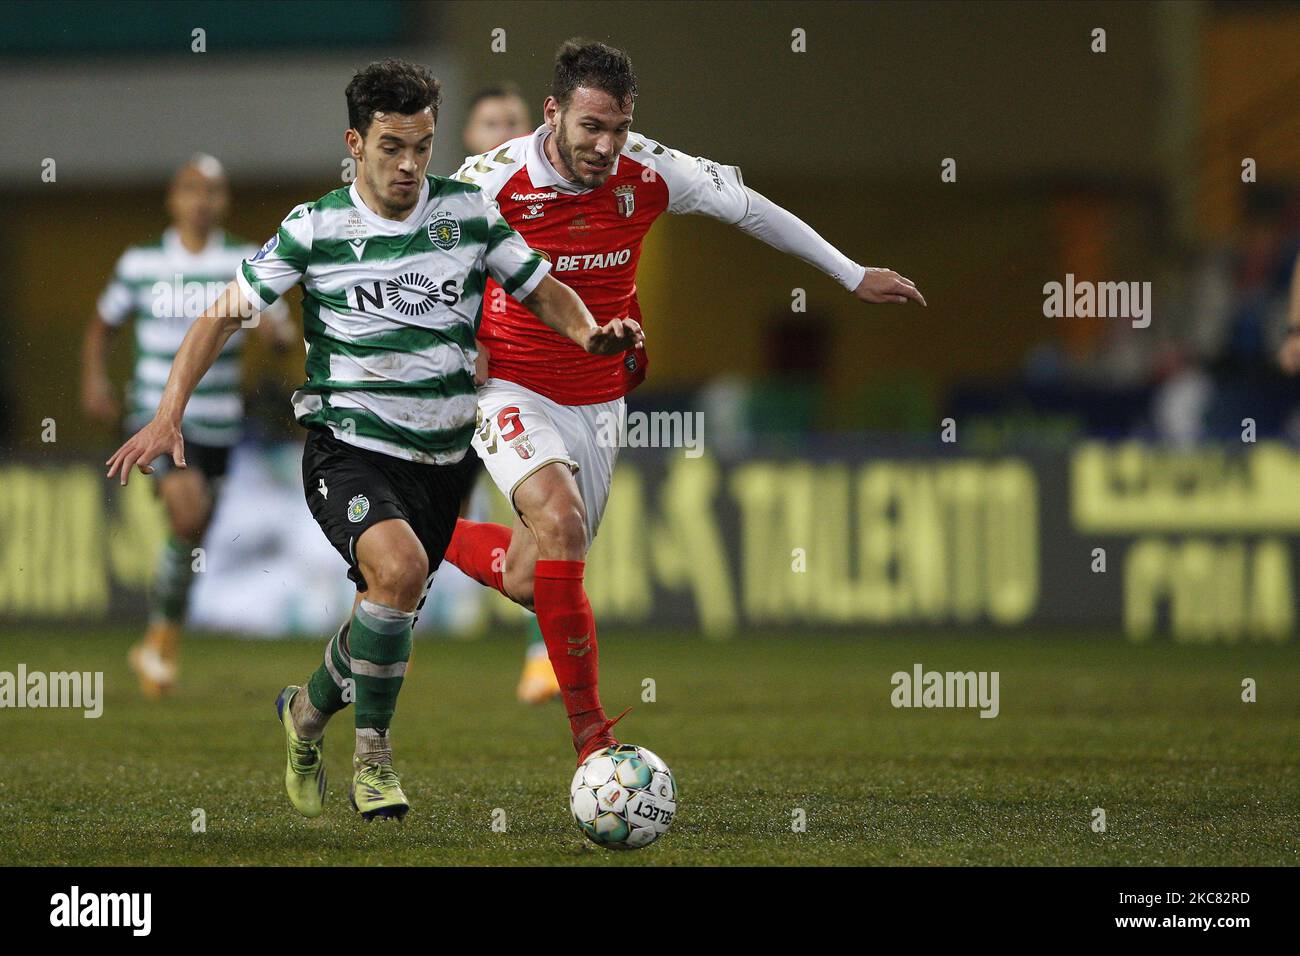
<point x="596" y="737"/>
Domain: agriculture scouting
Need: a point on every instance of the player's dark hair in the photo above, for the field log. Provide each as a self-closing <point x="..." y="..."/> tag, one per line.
<point x="391" y="86"/>
<point x="594" y="65"/>
<point x="498" y="91"/>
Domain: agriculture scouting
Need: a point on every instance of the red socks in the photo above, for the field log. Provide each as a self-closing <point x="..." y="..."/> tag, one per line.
<point x="563" y="613"/>
<point x="569" y="629"/>
<point x="479" y="549"/>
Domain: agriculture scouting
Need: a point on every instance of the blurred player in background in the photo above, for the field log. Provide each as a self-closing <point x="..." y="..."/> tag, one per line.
<point x="393" y="269"/>
<point x="163" y="286"/>
<point x="585" y="191"/>
<point x="496" y="114"/>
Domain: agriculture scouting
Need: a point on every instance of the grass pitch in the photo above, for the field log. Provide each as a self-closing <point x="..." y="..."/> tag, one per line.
<point x="754" y="729"/>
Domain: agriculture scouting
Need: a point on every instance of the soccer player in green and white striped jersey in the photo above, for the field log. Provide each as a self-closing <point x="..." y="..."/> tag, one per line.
<point x="393" y="270"/>
<point x="161" y="287"/>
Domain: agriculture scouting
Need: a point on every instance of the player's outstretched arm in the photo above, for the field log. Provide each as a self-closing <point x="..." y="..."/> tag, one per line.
<point x="559" y="307"/>
<point x="784" y="231"/>
<point x="200" y="348"/>
<point x="702" y="187"/>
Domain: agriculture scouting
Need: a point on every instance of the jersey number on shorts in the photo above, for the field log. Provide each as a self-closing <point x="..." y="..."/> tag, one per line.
<point x="508" y="417"/>
<point x="510" y="425"/>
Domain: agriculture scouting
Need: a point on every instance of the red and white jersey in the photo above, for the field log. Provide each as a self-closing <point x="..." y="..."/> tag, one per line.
<point x="592" y="238"/>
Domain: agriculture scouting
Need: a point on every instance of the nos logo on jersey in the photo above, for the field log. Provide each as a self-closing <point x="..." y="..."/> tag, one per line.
<point x="444" y="231"/>
<point x="410" y="294"/>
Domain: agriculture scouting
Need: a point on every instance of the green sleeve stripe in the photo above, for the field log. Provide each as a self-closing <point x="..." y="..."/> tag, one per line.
<point x="290" y="250"/>
<point x="475" y="229"/>
<point x="521" y="275"/>
<point x="498" y="233"/>
<point x="264" y="291"/>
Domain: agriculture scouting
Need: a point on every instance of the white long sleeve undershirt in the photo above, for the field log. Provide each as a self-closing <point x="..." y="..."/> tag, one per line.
<point x="786" y="232"/>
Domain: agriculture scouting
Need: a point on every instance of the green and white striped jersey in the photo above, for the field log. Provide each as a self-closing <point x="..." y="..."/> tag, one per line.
<point x="164" y="287"/>
<point x="390" y="310"/>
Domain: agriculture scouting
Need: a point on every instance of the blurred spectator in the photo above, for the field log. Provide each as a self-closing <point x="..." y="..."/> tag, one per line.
<point x="496" y="114"/>
<point x="1226" y="370"/>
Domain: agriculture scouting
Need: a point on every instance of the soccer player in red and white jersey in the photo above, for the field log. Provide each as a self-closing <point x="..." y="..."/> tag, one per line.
<point x="584" y="190"/>
<point x="496" y="114"/>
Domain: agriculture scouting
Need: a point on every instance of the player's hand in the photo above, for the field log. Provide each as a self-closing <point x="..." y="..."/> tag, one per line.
<point x="615" y="336"/>
<point x="157" y="438"/>
<point x="481" y="364"/>
<point x="1288" y="356"/>
<point x="97" y="399"/>
<point x="885" y="285"/>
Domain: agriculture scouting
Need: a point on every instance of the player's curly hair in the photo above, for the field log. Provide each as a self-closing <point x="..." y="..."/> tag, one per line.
<point x="592" y="64"/>
<point x="391" y="86"/>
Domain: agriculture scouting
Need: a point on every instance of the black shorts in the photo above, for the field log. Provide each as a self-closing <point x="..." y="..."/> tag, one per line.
<point x="211" y="461"/>
<point x="467" y="471"/>
<point x="349" y="489"/>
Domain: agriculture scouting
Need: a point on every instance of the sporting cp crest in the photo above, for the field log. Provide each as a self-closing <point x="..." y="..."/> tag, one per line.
<point x="626" y="196"/>
<point x="358" y="508"/>
<point x="444" y="231"/>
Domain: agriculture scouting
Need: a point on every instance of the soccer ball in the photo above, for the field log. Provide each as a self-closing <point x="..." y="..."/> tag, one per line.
<point x="623" y="797"/>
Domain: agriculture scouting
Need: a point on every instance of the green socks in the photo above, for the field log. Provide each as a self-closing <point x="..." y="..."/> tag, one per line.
<point x="331" y="686"/>
<point x="380" y="641"/>
<point x="365" y="663"/>
<point x="169" y="593"/>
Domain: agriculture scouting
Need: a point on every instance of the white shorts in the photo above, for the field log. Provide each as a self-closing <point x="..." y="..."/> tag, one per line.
<point x="519" y="431"/>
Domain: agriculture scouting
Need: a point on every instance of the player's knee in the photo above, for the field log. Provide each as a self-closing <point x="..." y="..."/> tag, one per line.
<point x="189" y="505"/>
<point x="398" y="576"/>
<point x="188" y="524"/>
<point x="561" y="529"/>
